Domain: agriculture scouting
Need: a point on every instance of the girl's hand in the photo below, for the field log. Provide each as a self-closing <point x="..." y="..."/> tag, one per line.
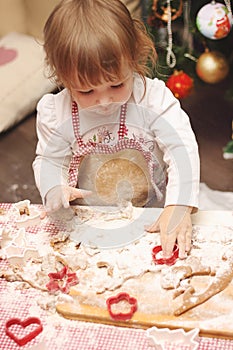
<point x="60" y="196"/>
<point x="174" y="223"/>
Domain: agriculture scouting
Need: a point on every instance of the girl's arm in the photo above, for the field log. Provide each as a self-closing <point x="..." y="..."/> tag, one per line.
<point x="53" y="152"/>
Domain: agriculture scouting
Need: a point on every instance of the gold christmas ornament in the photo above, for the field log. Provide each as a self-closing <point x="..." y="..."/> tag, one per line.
<point x="212" y="67"/>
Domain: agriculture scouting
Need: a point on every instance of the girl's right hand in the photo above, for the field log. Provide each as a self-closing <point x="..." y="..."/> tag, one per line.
<point x="174" y="224"/>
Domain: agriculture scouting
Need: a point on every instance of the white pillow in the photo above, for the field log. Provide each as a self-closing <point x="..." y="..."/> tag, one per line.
<point x="22" y="79"/>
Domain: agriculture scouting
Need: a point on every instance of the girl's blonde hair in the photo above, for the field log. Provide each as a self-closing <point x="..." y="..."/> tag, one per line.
<point x="89" y="40"/>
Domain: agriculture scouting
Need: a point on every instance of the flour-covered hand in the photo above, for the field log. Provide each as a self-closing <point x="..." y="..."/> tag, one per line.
<point x="60" y="197"/>
<point x="174" y="224"/>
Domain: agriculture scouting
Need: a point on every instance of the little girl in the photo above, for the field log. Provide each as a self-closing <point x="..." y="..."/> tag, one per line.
<point x="112" y="131"/>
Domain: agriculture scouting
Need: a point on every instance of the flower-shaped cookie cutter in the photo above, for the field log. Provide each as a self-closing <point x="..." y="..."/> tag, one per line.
<point x="62" y="280"/>
<point x="160" y="338"/>
<point x="24" y="324"/>
<point x="167" y="261"/>
<point x="115" y="300"/>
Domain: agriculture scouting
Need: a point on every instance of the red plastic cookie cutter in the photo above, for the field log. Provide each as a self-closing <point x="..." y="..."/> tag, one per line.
<point x="61" y="280"/>
<point x="167" y="261"/>
<point x="28" y="337"/>
<point x="115" y="300"/>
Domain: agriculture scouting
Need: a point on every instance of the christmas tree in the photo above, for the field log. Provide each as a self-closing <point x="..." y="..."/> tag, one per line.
<point x="194" y="41"/>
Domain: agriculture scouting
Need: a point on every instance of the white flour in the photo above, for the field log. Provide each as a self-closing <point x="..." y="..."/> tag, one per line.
<point x="130" y="268"/>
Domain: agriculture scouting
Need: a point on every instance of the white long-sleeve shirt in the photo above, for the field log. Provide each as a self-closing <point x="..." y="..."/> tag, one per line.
<point x="155" y="119"/>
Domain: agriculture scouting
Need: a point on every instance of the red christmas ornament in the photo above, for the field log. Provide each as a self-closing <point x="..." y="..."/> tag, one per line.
<point x="180" y="84"/>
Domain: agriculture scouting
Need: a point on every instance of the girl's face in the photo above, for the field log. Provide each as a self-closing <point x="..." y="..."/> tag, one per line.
<point x="104" y="98"/>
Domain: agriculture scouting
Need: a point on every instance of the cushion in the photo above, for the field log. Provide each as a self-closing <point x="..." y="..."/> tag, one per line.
<point x="22" y="78"/>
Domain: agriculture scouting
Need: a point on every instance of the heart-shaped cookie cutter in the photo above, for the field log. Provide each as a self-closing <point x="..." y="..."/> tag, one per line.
<point x="167" y="261"/>
<point x="25" y="323"/>
<point x="115" y="300"/>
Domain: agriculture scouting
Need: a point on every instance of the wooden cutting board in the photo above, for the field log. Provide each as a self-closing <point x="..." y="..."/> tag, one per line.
<point x="213" y="317"/>
<point x="201" y="317"/>
<point x="156" y="306"/>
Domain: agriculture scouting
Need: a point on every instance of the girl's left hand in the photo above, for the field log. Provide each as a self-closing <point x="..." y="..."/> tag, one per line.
<point x="174" y="224"/>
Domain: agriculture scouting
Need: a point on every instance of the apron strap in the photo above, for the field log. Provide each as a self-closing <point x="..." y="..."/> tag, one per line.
<point x="76" y="124"/>
<point x="122" y="127"/>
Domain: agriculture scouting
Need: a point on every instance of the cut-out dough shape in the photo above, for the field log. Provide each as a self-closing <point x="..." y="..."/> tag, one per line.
<point x="171" y="279"/>
<point x="221" y="280"/>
